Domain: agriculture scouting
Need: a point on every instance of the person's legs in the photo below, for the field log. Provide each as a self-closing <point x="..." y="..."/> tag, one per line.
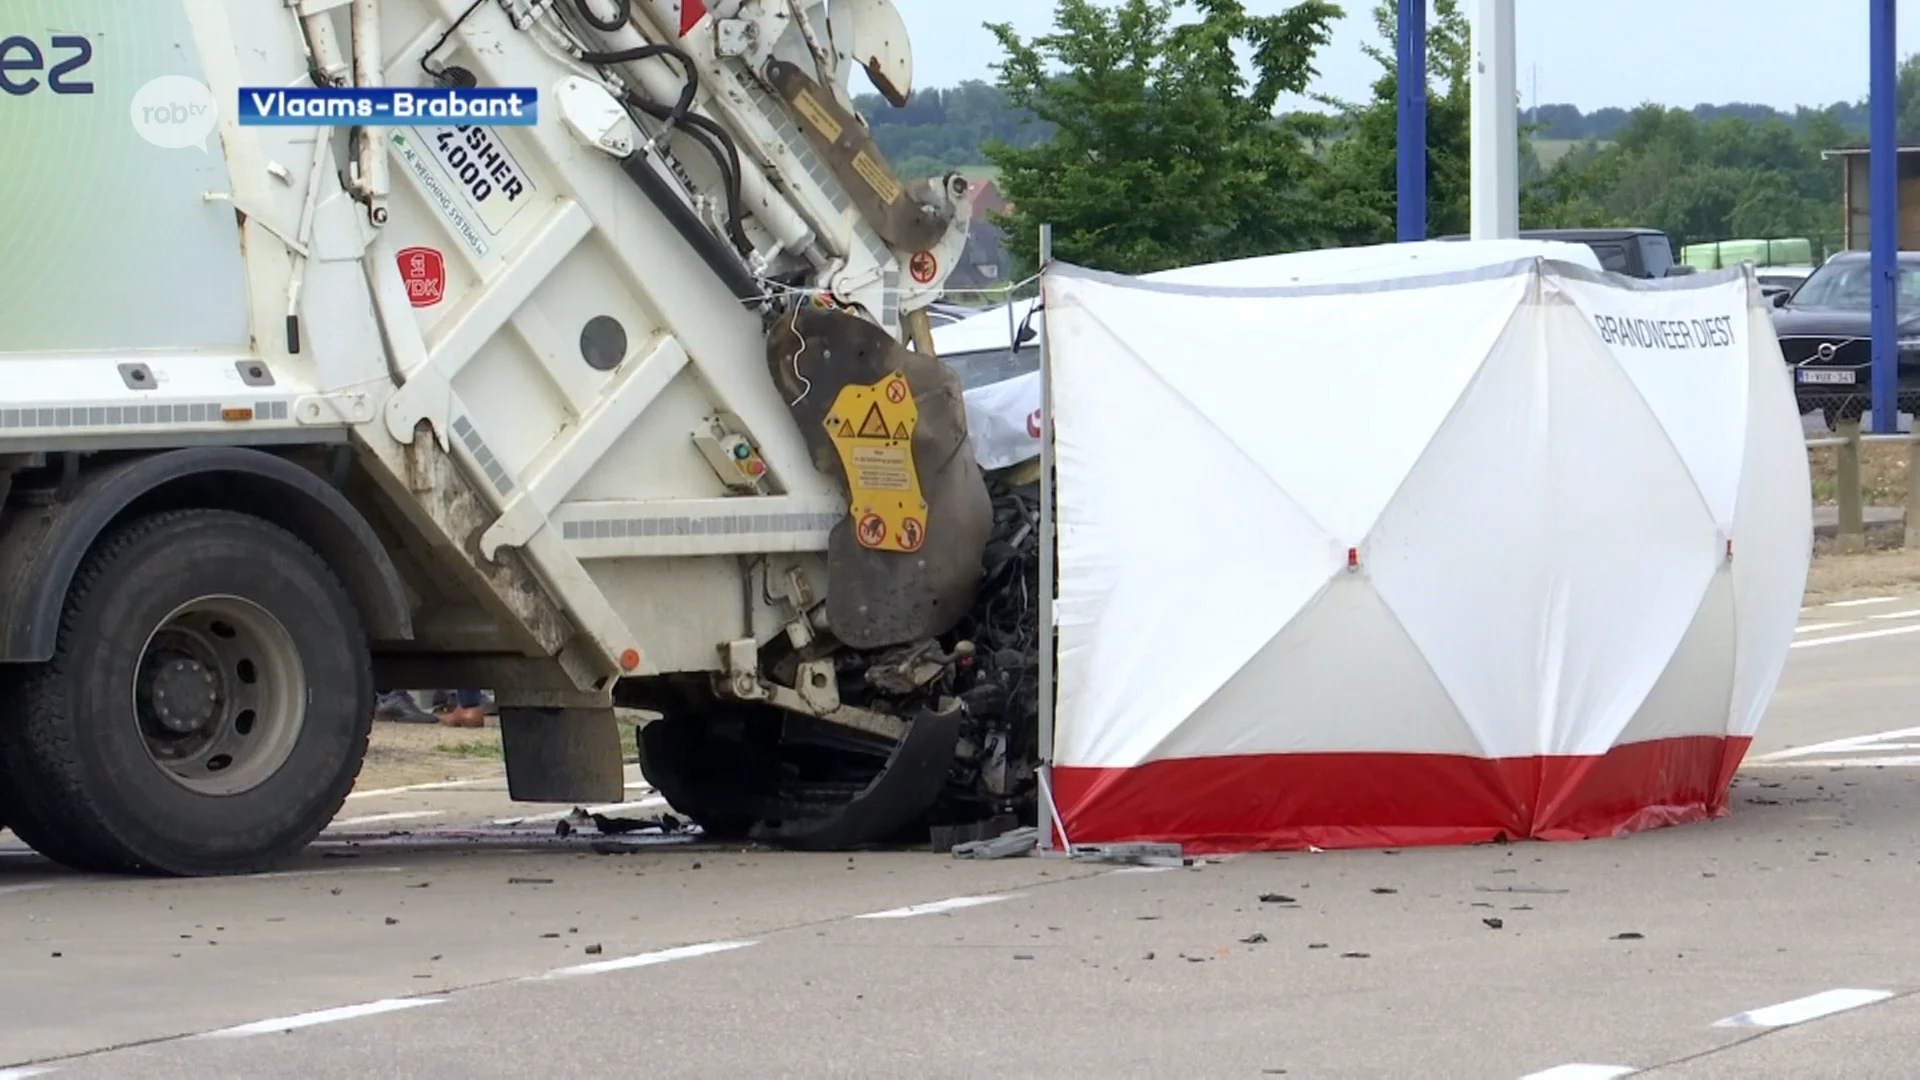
<point x="467" y="711"/>
<point x="398" y="706"/>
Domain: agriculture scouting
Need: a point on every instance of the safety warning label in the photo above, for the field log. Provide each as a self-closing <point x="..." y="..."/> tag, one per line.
<point x="872" y="428"/>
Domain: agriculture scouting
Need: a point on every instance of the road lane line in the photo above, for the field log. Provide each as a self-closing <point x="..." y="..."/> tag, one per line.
<point x="1897" y="762"/>
<point x="937" y="907"/>
<point x="322" y="1016"/>
<point x="24" y="1071"/>
<point x="1801" y="1010"/>
<point x="272" y="874"/>
<point x="438" y="785"/>
<point x="31" y="886"/>
<point x="1813" y="627"/>
<point x="1581" y="1072"/>
<point x="1861" y="636"/>
<point x="1862" y="603"/>
<point x="1908" y="614"/>
<point x="396" y="815"/>
<point x="661" y="956"/>
<point x="1834" y="746"/>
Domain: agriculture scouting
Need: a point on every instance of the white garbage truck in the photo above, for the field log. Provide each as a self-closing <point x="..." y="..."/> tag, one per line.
<point x="615" y="409"/>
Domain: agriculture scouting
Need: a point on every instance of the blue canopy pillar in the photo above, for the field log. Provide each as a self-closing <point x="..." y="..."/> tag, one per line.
<point x="1883" y="206"/>
<point x="1411" y="78"/>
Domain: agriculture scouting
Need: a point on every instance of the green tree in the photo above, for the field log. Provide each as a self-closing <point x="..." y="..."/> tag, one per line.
<point x="940" y="130"/>
<point x="1164" y="152"/>
<point x="1906" y="96"/>
<point x="1359" y="188"/>
<point x="1723" y="178"/>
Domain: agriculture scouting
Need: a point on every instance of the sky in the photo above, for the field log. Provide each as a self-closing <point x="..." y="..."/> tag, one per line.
<point x="1589" y="53"/>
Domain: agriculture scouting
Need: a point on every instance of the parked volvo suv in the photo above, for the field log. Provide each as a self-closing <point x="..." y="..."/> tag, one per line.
<point x="1825" y="328"/>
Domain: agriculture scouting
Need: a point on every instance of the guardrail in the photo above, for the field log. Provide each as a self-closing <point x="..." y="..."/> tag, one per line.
<point x="1847" y="440"/>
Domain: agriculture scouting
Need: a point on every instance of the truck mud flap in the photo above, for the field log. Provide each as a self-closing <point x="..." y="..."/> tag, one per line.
<point x="905" y="789"/>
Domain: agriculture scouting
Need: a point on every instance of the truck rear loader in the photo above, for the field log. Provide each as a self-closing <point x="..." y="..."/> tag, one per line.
<point x="610" y="409"/>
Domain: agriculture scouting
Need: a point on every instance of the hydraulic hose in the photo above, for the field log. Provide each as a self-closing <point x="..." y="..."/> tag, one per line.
<point x="691" y="229"/>
<point x="624" y="11"/>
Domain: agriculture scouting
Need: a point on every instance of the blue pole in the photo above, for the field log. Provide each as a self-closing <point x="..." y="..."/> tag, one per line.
<point x="1412" y="80"/>
<point x="1883" y="205"/>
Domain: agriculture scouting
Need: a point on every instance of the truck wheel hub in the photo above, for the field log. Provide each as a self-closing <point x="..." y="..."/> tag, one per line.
<point x="185" y="695"/>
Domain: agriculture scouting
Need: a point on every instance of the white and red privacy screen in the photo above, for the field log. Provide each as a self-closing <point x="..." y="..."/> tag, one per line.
<point x="1514" y="549"/>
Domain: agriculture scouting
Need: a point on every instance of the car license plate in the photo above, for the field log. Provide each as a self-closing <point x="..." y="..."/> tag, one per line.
<point x="1825" y="376"/>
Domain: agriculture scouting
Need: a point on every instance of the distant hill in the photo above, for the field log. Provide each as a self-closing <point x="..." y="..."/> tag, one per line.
<point x="943" y="129"/>
<point x="1569" y="123"/>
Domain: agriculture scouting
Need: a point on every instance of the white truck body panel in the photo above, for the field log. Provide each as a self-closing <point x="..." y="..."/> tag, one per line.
<point x="469" y="310"/>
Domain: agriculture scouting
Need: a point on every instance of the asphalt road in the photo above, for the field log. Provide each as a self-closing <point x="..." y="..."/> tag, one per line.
<point x="1769" y="944"/>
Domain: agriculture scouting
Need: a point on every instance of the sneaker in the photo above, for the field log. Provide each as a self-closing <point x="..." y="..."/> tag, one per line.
<point x="398" y="706"/>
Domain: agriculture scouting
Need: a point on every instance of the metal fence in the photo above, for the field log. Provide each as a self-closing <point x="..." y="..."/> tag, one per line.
<point x="1850" y="492"/>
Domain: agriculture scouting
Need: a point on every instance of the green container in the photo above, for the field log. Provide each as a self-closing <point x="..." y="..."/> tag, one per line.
<point x="1797" y="251"/>
<point x="1701" y="256"/>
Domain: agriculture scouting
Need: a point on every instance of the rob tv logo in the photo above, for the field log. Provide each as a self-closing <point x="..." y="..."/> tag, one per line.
<point x="174" y="112"/>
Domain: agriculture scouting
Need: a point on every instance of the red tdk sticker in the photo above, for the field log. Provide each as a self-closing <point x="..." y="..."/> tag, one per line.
<point x="425" y="272"/>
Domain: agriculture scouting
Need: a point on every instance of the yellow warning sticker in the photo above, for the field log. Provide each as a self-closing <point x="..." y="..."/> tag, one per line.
<point x="816" y="114"/>
<point x="875" y="174"/>
<point x="872" y="427"/>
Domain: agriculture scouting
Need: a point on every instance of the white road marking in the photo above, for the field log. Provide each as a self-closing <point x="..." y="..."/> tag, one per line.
<point x="1861" y="636"/>
<point x="937" y="907"/>
<point x="1838" y="746"/>
<point x="1800" y="1010"/>
<point x="396" y="815"/>
<point x="31" y="886"/>
<point x="611" y="808"/>
<point x="1908" y="614"/>
<point x="662" y="956"/>
<point x="1862" y="603"/>
<point x="323" y="1016"/>
<point x="1581" y="1072"/>
<point x="1813" y="627"/>
<point x="24" y="1071"/>
<point x="272" y="874"/>
<point x="1901" y="761"/>
<point x="440" y="785"/>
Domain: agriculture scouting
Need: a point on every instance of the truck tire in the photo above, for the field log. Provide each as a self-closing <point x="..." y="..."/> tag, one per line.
<point x="701" y="779"/>
<point x="207" y="707"/>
